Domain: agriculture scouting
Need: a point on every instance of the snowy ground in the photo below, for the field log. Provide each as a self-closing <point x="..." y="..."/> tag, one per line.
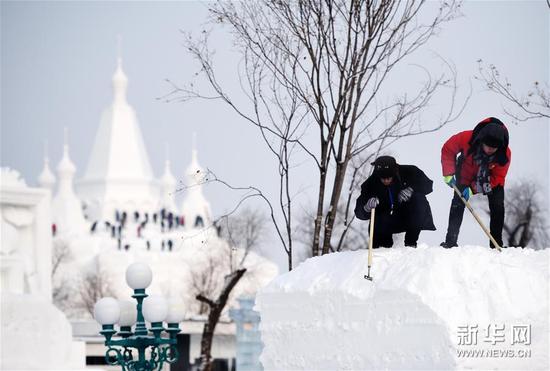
<point x="427" y="308"/>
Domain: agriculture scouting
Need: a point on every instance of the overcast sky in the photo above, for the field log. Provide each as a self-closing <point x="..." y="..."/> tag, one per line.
<point x="58" y="59"/>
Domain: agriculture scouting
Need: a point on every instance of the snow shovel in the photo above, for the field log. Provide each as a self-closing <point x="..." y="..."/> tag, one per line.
<point x="457" y="191"/>
<point x="371" y="237"/>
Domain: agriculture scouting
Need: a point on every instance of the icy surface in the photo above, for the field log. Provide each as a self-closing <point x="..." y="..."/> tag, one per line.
<point x="426" y="308"/>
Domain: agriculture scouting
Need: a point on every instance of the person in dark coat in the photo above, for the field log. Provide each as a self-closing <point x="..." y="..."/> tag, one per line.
<point x="477" y="161"/>
<point x="398" y="192"/>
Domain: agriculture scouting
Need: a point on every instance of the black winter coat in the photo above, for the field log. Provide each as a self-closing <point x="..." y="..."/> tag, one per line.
<point x="417" y="209"/>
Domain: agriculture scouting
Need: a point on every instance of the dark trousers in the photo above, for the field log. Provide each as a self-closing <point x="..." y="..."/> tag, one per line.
<point x="496" y="213"/>
<point x="410" y="218"/>
<point x="385" y="225"/>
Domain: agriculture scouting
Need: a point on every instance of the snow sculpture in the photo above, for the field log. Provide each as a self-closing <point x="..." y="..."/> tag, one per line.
<point x="427" y="308"/>
<point x="34" y="333"/>
<point x="25" y="267"/>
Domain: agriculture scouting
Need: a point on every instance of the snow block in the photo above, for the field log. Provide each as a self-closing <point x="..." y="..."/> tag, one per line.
<point x="426" y="308"/>
<point x="37" y="336"/>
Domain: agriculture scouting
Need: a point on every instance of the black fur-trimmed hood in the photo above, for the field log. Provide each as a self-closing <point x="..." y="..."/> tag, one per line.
<point x="494" y="129"/>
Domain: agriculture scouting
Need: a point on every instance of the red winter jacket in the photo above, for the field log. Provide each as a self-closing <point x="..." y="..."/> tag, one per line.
<point x="462" y="143"/>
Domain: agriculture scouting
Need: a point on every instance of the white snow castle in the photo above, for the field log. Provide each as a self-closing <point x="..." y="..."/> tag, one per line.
<point x="119" y="189"/>
<point x="119" y="213"/>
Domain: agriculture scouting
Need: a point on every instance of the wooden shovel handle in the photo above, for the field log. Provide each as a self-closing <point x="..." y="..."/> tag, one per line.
<point x="457" y="191"/>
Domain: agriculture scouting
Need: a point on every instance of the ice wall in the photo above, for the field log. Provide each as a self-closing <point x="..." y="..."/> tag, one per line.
<point x="426" y="308"/>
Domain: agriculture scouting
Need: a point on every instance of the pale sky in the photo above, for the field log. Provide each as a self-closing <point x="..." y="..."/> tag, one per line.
<point x="58" y="58"/>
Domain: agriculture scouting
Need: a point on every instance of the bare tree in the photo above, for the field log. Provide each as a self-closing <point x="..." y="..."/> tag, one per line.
<point x="214" y="281"/>
<point x="61" y="254"/>
<point x="215" y="310"/>
<point x="525" y="223"/>
<point x="245" y="232"/>
<point x="93" y="286"/>
<point x="205" y="280"/>
<point x="314" y="72"/>
<point x="62" y="292"/>
<point x="534" y="104"/>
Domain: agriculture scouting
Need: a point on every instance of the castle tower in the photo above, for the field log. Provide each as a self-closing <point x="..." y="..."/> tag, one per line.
<point x="46" y="179"/>
<point x="195" y="208"/>
<point x="119" y="174"/>
<point x="66" y="207"/>
<point x="168" y="188"/>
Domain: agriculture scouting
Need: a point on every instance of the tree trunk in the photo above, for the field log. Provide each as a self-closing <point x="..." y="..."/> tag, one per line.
<point x="337" y="191"/>
<point x="319" y="215"/>
<point x="216" y="308"/>
<point x="320" y="200"/>
<point x="526" y="233"/>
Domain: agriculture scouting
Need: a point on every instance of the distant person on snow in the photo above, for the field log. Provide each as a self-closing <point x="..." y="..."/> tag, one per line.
<point x="476" y="161"/>
<point x="398" y="192"/>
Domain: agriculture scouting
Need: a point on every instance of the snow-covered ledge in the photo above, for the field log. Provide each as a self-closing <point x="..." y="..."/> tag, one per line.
<point x="426" y="308"/>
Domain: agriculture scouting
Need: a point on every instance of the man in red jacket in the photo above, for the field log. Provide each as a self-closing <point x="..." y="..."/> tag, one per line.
<point x="476" y="161"/>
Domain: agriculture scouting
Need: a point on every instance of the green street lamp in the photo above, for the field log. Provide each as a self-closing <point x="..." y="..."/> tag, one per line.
<point x="153" y="309"/>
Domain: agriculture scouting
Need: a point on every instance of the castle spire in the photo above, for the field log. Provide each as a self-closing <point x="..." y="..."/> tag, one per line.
<point x="168" y="185"/>
<point x="195" y="207"/>
<point x="46" y="179"/>
<point x="67" y="208"/>
<point x="66" y="168"/>
<point x="119" y="164"/>
<point x="120" y="81"/>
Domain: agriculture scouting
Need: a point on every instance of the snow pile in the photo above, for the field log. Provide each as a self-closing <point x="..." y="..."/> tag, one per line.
<point x="426" y="308"/>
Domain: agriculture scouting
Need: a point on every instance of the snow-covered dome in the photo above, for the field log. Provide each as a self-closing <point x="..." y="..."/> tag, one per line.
<point x="119" y="175"/>
<point x="66" y="167"/>
<point x="195" y="208"/>
<point x="168" y="178"/>
<point x="67" y="208"/>
<point x="120" y="83"/>
<point x="168" y="188"/>
<point x="46" y="179"/>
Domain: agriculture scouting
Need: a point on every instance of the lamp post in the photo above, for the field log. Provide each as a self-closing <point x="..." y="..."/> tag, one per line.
<point x="153" y="309"/>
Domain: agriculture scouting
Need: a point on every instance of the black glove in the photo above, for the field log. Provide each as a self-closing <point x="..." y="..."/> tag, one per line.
<point x="405" y="194"/>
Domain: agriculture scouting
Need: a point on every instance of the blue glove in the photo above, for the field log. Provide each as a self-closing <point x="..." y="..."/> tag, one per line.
<point x="466" y="193"/>
<point x="450" y="180"/>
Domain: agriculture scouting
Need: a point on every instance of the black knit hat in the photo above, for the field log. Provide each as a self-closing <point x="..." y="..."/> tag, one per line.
<point x="385" y="167"/>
